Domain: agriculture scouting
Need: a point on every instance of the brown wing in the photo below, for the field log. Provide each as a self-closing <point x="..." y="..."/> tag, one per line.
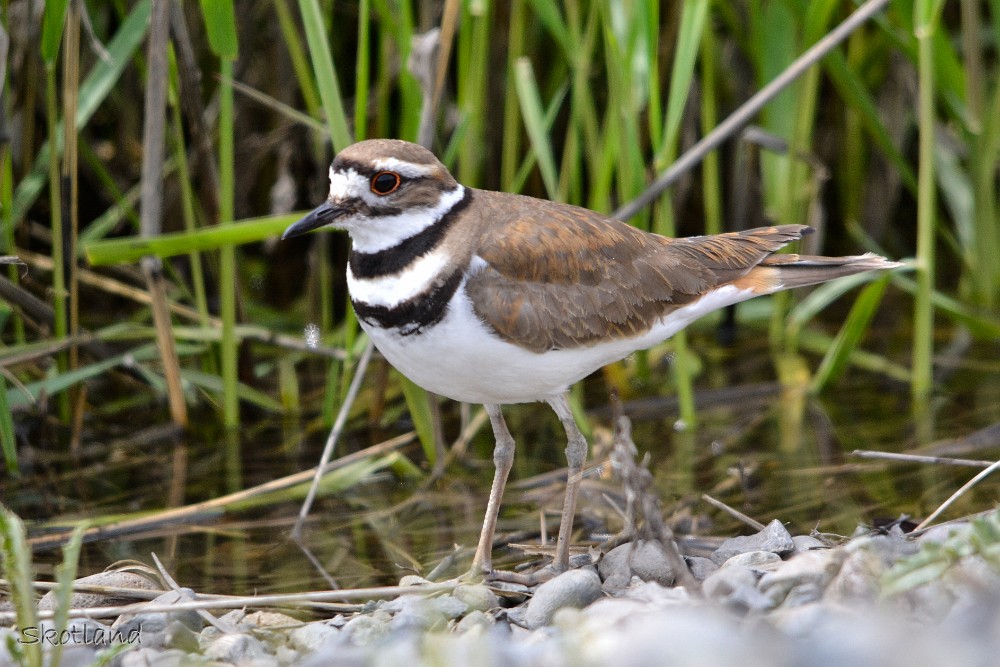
<point x="568" y="276"/>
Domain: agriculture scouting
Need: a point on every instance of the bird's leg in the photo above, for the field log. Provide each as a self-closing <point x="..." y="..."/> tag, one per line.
<point x="576" y="453"/>
<point x="503" y="458"/>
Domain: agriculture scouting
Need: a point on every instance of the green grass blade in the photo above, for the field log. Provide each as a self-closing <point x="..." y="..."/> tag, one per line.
<point x="534" y="121"/>
<point x="220" y="25"/>
<point x="117" y="251"/>
<point x="52" y="29"/>
<point x="63" y="592"/>
<point x="326" y="77"/>
<point x="17" y="570"/>
<point x="8" y="441"/>
<point x="850" y="334"/>
<point x="418" y="403"/>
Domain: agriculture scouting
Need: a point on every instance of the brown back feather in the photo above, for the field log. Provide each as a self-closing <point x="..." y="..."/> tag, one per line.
<point x="567" y="277"/>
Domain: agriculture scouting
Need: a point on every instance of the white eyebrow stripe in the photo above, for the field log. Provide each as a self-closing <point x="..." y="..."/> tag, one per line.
<point x="403" y="168"/>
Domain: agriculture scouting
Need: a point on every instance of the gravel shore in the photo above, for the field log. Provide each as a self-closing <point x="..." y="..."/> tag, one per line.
<point x="765" y="599"/>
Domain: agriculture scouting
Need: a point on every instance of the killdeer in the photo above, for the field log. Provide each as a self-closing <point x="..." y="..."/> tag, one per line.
<point x="495" y="298"/>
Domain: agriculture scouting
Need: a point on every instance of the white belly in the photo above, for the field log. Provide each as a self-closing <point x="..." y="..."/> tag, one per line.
<point x="461" y="359"/>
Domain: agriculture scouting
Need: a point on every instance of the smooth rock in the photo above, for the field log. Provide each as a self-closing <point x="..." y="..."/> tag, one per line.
<point x="477" y="597"/>
<point x="365" y="629"/>
<point x="760" y="561"/>
<point x="736" y="588"/>
<point x="807" y="574"/>
<point x="270" y="619"/>
<point x="574" y="588"/>
<point x="806" y="543"/>
<point x="475" y="619"/>
<point x="150" y="657"/>
<point x="311" y="636"/>
<point x="701" y="568"/>
<point x="857" y="582"/>
<point x="509" y="593"/>
<point x="152" y="627"/>
<point x="644" y="559"/>
<point x="237" y="649"/>
<point x="113" y="579"/>
<point x="413" y="580"/>
<point x="774" y="538"/>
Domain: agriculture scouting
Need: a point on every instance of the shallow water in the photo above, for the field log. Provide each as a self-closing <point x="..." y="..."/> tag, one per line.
<point x="768" y="452"/>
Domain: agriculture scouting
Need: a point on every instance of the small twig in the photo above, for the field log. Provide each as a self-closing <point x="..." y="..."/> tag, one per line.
<point x="958" y="494"/>
<point x="447" y="562"/>
<point x="218" y="624"/>
<point x="735" y="513"/>
<point x="331" y="441"/>
<point x="917" y="458"/>
<point x="235" y="602"/>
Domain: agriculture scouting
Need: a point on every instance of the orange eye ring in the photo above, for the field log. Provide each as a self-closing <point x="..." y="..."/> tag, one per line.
<point x="385" y="183"/>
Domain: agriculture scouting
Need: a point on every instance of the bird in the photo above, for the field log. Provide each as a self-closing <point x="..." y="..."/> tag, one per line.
<point x="498" y="298"/>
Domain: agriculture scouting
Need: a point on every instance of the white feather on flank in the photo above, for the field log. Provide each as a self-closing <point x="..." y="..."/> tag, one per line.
<point x="460" y="358"/>
<point x="370" y="235"/>
<point x="394" y="289"/>
<point x="403" y="168"/>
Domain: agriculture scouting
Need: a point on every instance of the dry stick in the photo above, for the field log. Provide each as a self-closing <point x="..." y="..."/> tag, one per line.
<point x="753" y="523"/>
<point x="277" y="600"/>
<point x="958" y="494"/>
<point x="917" y="458"/>
<point x="749" y="109"/>
<point x="117" y="287"/>
<point x="151" y="201"/>
<point x="218" y="624"/>
<point x="177" y="514"/>
<point x="331" y="441"/>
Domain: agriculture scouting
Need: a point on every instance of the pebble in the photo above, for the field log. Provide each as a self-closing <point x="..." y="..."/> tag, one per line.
<point x="774" y="538"/>
<point x="758" y="561"/>
<point x="575" y="588"/>
<point x="643" y="559"/>
<point x="819" y="606"/>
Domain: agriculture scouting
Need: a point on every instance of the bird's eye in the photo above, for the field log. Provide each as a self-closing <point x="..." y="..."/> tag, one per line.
<point x="385" y="182"/>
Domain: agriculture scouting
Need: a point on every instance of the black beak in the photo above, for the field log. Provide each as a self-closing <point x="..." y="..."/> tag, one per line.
<point x="320" y="216"/>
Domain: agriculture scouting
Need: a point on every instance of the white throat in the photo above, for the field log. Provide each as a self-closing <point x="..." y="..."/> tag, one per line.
<point x="369" y="234"/>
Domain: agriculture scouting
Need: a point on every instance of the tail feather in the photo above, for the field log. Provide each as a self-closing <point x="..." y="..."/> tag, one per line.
<point x="803" y="270"/>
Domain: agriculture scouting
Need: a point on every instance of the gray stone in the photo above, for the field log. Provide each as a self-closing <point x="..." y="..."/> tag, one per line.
<point x="413" y="580"/>
<point x="365" y="629"/>
<point x="150" y="657"/>
<point x="475" y="619"/>
<point x="575" y="588"/>
<point x="152" y="627"/>
<point x="759" y="561"/>
<point x="237" y="649"/>
<point x="806" y="543"/>
<point x="808" y="573"/>
<point x="477" y="597"/>
<point x="774" y="538"/>
<point x="112" y="579"/>
<point x="311" y="636"/>
<point x="736" y="587"/>
<point x="701" y="568"/>
<point x="643" y="559"/>
<point x="940" y="534"/>
<point x="858" y="579"/>
<point x="510" y="593"/>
